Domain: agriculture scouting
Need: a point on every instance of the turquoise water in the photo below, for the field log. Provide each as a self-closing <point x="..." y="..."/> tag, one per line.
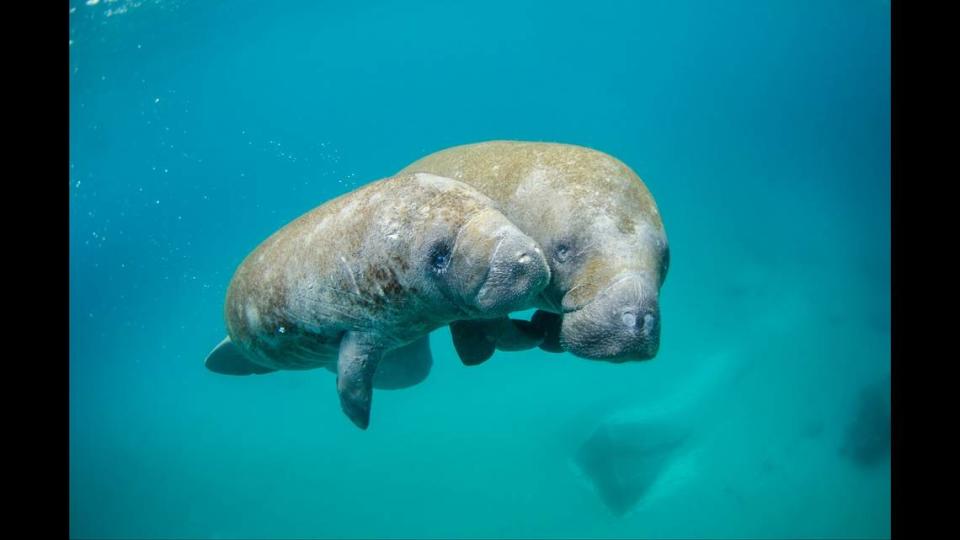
<point x="197" y="128"/>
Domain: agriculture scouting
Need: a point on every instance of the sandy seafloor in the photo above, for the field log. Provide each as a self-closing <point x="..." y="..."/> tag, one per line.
<point x="198" y="128"/>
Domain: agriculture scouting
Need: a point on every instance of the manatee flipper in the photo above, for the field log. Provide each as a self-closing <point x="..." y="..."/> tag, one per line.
<point x="549" y="324"/>
<point x="359" y="357"/>
<point x="227" y="359"/>
<point x="519" y="335"/>
<point x="475" y="341"/>
<point x="404" y="366"/>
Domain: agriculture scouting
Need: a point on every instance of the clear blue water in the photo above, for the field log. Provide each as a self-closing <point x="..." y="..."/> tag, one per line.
<point x="197" y="128"/>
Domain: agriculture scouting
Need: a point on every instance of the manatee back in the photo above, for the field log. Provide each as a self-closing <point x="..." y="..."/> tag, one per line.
<point x="274" y="290"/>
<point x="533" y="179"/>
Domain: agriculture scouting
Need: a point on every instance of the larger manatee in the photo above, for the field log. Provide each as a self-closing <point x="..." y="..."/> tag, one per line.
<point x="603" y="236"/>
<point x="366" y="276"/>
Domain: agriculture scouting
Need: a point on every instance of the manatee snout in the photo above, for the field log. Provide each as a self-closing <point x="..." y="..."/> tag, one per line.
<point x="498" y="268"/>
<point x="621" y="323"/>
<point x="518" y="273"/>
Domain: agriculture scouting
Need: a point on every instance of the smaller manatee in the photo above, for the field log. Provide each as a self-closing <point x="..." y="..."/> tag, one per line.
<point x="360" y="281"/>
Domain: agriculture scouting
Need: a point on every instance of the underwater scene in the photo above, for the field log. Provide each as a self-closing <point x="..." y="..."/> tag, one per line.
<point x="674" y="324"/>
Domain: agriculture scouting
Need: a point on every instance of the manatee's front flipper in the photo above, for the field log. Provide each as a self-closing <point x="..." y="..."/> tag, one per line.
<point x="356" y="366"/>
<point x="227" y="359"/>
<point x="405" y="366"/>
<point x="518" y="335"/>
<point x="475" y="341"/>
<point x="549" y="324"/>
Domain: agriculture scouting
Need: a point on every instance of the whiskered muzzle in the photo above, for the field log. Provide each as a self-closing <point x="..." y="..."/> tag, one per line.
<point x="621" y="323"/>
<point x="518" y="273"/>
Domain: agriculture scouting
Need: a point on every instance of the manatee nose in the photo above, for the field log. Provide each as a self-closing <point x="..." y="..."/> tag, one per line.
<point x="528" y="257"/>
<point x="529" y="265"/>
<point x="519" y="255"/>
<point x="518" y="272"/>
<point x="639" y="336"/>
<point x="644" y="323"/>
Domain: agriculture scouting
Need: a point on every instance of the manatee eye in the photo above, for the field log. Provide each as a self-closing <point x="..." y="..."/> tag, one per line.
<point x="562" y="252"/>
<point x="440" y="257"/>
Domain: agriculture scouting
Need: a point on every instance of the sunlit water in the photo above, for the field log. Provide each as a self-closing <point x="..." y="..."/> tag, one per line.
<point x="199" y="128"/>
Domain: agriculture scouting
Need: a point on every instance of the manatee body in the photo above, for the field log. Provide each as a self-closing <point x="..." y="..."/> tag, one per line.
<point x="366" y="276"/>
<point x="603" y="236"/>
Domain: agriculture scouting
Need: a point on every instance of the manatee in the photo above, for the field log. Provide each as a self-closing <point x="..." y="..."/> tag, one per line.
<point x="634" y="454"/>
<point x="603" y="236"/>
<point x="366" y="276"/>
<point x="624" y="460"/>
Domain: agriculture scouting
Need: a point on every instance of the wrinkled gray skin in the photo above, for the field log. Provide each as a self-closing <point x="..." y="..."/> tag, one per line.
<point x="601" y="231"/>
<point x="367" y="276"/>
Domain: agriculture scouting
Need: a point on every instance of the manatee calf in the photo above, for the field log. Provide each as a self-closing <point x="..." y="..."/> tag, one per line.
<point x="601" y="231"/>
<point x="366" y="277"/>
